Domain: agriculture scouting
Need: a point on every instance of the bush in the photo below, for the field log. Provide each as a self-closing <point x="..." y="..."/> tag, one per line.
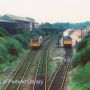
<point x="81" y="58"/>
<point x="3" y="32"/>
<point x="13" y="44"/>
<point x="76" y="59"/>
<point x="81" y="78"/>
<point x="38" y="32"/>
<point x="10" y="57"/>
<point x="88" y="36"/>
<point x="83" y="52"/>
<point x="3" y="50"/>
<point x="9" y="49"/>
<point x="82" y="44"/>
<point x="22" y="40"/>
<point x="23" y="36"/>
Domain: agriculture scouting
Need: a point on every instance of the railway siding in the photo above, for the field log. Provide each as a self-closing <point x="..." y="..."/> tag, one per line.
<point x="59" y="78"/>
<point x="42" y="70"/>
<point x="19" y="72"/>
<point x="40" y="73"/>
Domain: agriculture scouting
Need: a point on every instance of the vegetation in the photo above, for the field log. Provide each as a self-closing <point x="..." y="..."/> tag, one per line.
<point x="81" y="77"/>
<point x="38" y="32"/>
<point x="64" y="26"/>
<point x="10" y="49"/>
<point x="3" y="32"/>
<point x="83" y="52"/>
<point x="49" y="29"/>
<point x="12" y="46"/>
<point x="52" y="66"/>
<point x="81" y="61"/>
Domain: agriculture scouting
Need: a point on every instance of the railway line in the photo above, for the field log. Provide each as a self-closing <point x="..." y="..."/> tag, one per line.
<point x="40" y="59"/>
<point x="58" y="81"/>
<point x="41" y="73"/>
<point x="37" y="59"/>
<point x="22" y="70"/>
<point x="21" y="85"/>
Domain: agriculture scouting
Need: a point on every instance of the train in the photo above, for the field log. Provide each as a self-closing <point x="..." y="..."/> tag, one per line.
<point x="36" y="42"/>
<point x="67" y="40"/>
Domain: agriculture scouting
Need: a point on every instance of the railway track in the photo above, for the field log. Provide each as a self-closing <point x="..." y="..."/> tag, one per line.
<point x="41" y="72"/>
<point x="37" y="59"/>
<point x="21" y="85"/>
<point x="27" y="86"/>
<point x="21" y="71"/>
<point x="58" y="81"/>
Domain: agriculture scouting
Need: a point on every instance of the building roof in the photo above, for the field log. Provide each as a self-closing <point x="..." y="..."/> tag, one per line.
<point x="12" y="18"/>
<point x="0" y="16"/>
<point x="7" y="21"/>
<point x="30" y="19"/>
<point x="16" y="18"/>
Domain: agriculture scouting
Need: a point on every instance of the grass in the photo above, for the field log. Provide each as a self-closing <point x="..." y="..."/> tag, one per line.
<point x="52" y="66"/>
<point x="81" y="77"/>
<point x="80" y="74"/>
<point x="21" y="72"/>
<point x="7" y="64"/>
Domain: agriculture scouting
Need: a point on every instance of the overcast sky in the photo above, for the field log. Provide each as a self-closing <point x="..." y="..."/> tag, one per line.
<point x="48" y="10"/>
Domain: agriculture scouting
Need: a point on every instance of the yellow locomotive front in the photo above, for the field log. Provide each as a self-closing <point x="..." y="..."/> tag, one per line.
<point x="36" y="42"/>
<point x="67" y="42"/>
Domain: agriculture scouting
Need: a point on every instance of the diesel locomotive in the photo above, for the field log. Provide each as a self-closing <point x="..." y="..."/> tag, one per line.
<point x="67" y="42"/>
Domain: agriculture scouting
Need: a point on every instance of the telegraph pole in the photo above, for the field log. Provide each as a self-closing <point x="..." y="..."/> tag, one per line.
<point x="81" y="34"/>
<point x="58" y="37"/>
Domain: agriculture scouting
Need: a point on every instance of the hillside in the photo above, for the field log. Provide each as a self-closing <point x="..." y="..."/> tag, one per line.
<point x="80" y="74"/>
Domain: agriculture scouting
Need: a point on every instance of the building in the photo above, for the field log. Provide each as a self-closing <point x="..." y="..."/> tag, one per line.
<point x="13" y="23"/>
<point x="22" y="23"/>
<point x="10" y="26"/>
<point x="36" y="25"/>
<point x="31" y="25"/>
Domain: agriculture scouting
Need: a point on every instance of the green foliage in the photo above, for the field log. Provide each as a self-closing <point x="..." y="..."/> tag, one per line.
<point x="52" y="66"/>
<point x="22" y="39"/>
<point x="81" y="74"/>
<point x="9" y="49"/>
<point x="83" y="52"/>
<point x="88" y="36"/>
<point x="64" y="26"/>
<point x="12" y="43"/>
<point x="3" y="66"/>
<point x="76" y="59"/>
<point x="81" y="58"/>
<point x="81" y="78"/>
<point x="82" y="44"/>
<point x="46" y="25"/>
<point x="10" y="57"/>
<point x="38" y="32"/>
<point x="3" y="50"/>
<point x="3" y="32"/>
<point x="49" y="29"/>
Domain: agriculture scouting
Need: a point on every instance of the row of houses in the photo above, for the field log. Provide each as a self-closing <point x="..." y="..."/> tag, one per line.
<point x="13" y="23"/>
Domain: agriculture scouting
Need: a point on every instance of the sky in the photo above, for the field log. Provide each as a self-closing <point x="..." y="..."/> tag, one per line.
<point x="48" y="10"/>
